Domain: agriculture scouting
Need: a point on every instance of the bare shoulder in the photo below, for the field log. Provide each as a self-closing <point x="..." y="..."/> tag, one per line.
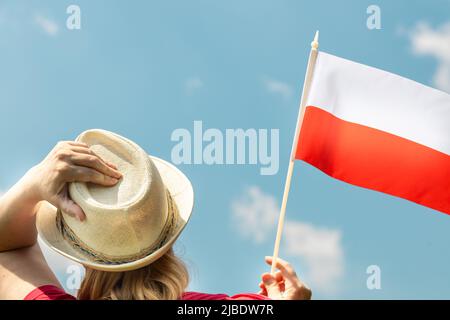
<point x="23" y="270"/>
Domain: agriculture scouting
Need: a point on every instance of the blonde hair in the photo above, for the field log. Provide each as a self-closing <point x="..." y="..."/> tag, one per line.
<point x="164" y="279"/>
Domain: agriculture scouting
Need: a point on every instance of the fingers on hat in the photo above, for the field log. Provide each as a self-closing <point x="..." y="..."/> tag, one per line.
<point x="94" y="162"/>
<point x="87" y="157"/>
<point x="84" y="174"/>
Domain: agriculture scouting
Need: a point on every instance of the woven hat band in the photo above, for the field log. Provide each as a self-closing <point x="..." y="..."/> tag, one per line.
<point x="79" y="245"/>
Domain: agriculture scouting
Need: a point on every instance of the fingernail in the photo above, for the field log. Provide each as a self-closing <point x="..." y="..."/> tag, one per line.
<point x="111" y="180"/>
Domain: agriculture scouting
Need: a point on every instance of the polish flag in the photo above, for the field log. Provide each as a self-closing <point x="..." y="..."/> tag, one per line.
<point x="379" y="131"/>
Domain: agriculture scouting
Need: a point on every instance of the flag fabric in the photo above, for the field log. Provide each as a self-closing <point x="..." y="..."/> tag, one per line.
<point x="377" y="130"/>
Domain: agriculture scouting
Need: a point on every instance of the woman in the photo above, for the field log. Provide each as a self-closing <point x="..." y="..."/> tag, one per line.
<point x="24" y="273"/>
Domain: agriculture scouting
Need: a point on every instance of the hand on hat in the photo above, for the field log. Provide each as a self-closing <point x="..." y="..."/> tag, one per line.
<point x="69" y="162"/>
<point x="284" y="284"/>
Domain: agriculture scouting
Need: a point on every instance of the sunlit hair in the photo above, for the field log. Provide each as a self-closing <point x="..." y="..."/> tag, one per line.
<point x="164" y="279"/>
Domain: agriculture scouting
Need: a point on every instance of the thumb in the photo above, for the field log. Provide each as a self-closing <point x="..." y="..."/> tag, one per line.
<point x="70" y="207"/>
<point x="271" y="284"/>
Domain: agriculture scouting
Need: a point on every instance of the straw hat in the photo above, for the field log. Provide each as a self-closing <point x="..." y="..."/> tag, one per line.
<point x="129" y="225"/>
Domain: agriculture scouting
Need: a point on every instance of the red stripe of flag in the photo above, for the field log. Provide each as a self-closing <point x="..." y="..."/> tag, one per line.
<point x="375" y="159"/>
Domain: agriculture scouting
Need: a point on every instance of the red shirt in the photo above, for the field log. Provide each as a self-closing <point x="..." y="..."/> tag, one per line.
<point x="50" y="292"/>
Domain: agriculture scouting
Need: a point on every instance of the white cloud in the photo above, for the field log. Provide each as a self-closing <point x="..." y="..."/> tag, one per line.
<point x="255" y="214"/>
<point x="435" y="43"/>
<point x="278" y="87"/>
<point x="48" y="26"/>
<point x="319" y="249"/>
<point x="193" y="84"/>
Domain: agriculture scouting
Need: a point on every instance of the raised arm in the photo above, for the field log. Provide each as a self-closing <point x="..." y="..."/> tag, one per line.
<point x="22" y="265"/>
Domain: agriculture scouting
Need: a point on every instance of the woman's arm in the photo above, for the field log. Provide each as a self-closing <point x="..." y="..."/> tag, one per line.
<point x="22" y="265"/>
<point x="17" y="215"/>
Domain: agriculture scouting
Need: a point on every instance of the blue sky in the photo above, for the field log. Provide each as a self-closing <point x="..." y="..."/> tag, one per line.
<point x="145" y="68"/>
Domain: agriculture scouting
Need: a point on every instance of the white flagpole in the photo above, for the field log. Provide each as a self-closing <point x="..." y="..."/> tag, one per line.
<point x="301" y="113"/>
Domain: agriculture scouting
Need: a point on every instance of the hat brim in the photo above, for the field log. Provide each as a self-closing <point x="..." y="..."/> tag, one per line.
<point x="182" y="193"/>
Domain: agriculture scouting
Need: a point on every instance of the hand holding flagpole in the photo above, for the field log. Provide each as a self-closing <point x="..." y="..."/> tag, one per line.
<point x="287" y="186"/>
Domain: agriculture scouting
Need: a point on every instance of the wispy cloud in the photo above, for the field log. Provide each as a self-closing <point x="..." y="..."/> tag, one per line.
<point x="278" y="87"/>
<point x="50" y="27"/>
<point x="255" y="214"/>
<point x="435" y="43"/>
<point x="193" y="84"/>
<point x="320" y="249"/>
